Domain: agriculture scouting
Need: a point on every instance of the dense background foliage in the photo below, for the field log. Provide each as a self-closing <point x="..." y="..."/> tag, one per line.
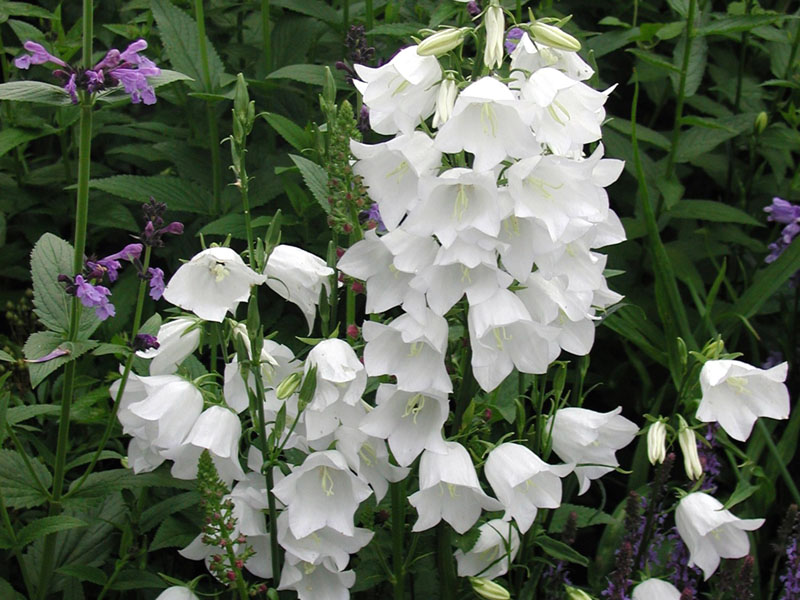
<point x="716" y="137"/>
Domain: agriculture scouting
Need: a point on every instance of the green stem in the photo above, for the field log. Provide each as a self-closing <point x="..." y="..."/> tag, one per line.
<point x="370" y="16"/>
<point x="213" y="129"/>
<point x="676" y="127"/>
<point x="266" y="36"/>
<point x="112" y="418"/>
<point x="346" y="15"/>
<point x="273" y="524"/>
<point x="448" y="584"/>
<point x="398" y="538"/>
<point x="776" y="455"/>
<point x="13" y="537"/>
<point x="117" y="570"/>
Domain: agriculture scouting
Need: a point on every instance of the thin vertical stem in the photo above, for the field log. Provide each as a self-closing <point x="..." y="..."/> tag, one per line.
<point x="266" y="36"/>
<point x="13" y="537"/>
<point x="346" y="15"/>
<point x="398" y="538"/>
<point x="788" y="480"/>
<point x="448" y="584"/>
<point x="370" y="16"/>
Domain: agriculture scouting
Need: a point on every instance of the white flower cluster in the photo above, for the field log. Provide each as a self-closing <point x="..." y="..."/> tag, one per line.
<point x="516" y="231"/>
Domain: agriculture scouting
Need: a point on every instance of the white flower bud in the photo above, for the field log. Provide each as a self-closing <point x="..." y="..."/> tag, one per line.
<point x="574" y="593"/>
<point x="553" y="37"/>
<point x="688" y="443"/>
<point x="441" y="42"/>
<point x="486" y="588"/>
<point x="494" y="21"/>
<point x="448" y="91"/>
<point x="656" y="442"/>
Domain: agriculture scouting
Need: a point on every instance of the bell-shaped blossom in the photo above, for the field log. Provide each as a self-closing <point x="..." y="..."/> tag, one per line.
<point x="369" y="459"/>
<point x="524" y="483"/>
<point x="391" y="171"/>
<point x="315" y="582"/>
<point x="457" y="200"/>
<point x="445" y="101"/>
<point x="177" y="592"/>
<point x="566" y="113"/>
<point x="320" y="426"/>
<point x="710" y="532"/>
<point x="656" y="589"/>
<point x="387" y="264"/>
<point x="735" y="394"/>
<point x="410" y="348"/>
<point x="400" y="93"/>
<point x="324" y="546"/>
<point x="143" y="457"/>
<point x="410" y="422"/>
<point x="340" y="375"/>
<point x="169" y="410"/>
<point x="503" y="336"/>
<point x="487" y="122"/>
<point x="584" y="436"/>
<point x="214" y="282"/>
<point x="298" y="276"/>
<point x="177" y="339"/>
<point x="449" y="489"/>
<point x="217" y="430"/>
<point x="321" y="492"/>
<point x="531" y="57"/>
<point x="491" y="556"/>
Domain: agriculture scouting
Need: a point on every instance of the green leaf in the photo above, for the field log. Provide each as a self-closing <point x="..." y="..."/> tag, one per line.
<point x="178" y="194"/>
<point x="644" y="134"/>
<point x="742" y="492"/>
<point x="18" y="414"/>
<point x="157" y="513"/>
<point x="312" y="8"/>
<point x="709" y="210"/>
<point x="34" y="91"/>
<point x="234" y="225"/>
<point x="173" y="533"/>
<point x="290" y="131"/>
<point x="316" y="179"/>
<point x="12" y="137"/>
<point x="99" y="485"/>
<point x="695" y="69"/>
<point x="20" y="489"/>
<point x="400" y="30"/>
<point x="504" y="396"/>
<point x="697" y="141"/>
<point x="178" y="32"/>
<point x="23" y="9"/>
<point x="46" y="525"/>
<point x="654" y="59"/>
<point x="164" y="78"/>
<point x="313" y="74"/>
<point x="84" y="573"/>
<point x="586" y="517"/>
<point x="5" y="356"/>
<point x="737" y="24"/>
<point x="560" y="550"/>
<point x="50" y="258"/>
<point x="131" y="579"/>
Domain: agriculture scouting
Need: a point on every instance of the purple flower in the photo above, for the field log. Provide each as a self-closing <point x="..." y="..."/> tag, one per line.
<point x="72" y="88"/>
<point x="135" y="83"/>
<point x="156" y="277"/>
<point x="93" y="296"/>
<point x="143" y="342"/>
<point x="372" y="216"/>
<point x="782" y="211"/>
<point x="791" y="578"/>
<point x="38" y="56"/>
<point x="513" y="37"/>
<point x="110" y="265"/>
<point x="474" y="8"/>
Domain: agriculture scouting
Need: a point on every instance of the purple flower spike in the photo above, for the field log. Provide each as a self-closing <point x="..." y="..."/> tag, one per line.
<point x="72" y="88"/>
<point x="135" y="83"/>
<point x="513" y="37"/>
<point x="131" y="53"/>
<point x="143" y="342"/>
<point x="38" y="56"/>
<point x="110" y="264"/>
<point x="48" y="357"/>
<point x="110" y="61"/>
<point x="782" y="211"/>
<point x="95" y="296"/>
<point x="156" y="282"/>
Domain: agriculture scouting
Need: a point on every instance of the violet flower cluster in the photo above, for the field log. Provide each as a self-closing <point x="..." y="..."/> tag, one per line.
<point x="788" y="214"/>
<point x="127" y="68"/>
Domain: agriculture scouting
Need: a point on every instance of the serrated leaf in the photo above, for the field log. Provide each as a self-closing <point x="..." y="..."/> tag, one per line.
<point x="131" y="579"/>
<point x="46" y="525"/>
<point x="289" y="130"/>
<point x="173" y="533"/>
<point x="312" y="8"/>
<point x="466" y="541"/>
<point x="157" y="513"/>
<point x="23" y="9"/>
<point x="84" y="573"/>
<point x="178" y="32"/>
<point x="50" y="258"/>
<point x="586" y="517"/>
<point x="696" y="67"/>
<point x="42" y="343"/>
<point x="737" y="24"/>
<point x="20" y="489"/>
<point x="709" y="210"/>
<point x="697" y="141"/>
<point x="313" y="74"/>
<point x="34" y="91"/>
<point x="316" y="179"/>
<point x="233" y="224"/>
<point x="653" y="59"/>
<point x="19" y="414"/>
<point x="560" y="550"/>
<point x="5" y="356"/>
<point x="11" y="137"/>
<point x="178" y="194"/>
<point x="100" y="484"/>
<point x="400" y="30"/>
<point x="644" y="134"/>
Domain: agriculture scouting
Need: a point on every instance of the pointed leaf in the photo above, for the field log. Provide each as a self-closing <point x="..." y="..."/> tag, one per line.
<point x="45" y="526"/>
<point x="177" y="193"/>
<point x="316" y="179"/>
<point x="20" y="489"/>
<point x="34" y="91"/>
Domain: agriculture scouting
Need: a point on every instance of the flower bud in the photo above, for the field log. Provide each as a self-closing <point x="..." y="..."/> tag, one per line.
<point x="714" y="349"/>
<point x="441" y="42"/>
<point x="288" y="386"/>
<point x="553" y="37"/>
<point x="761" y="122"/>
<point x="445" y="100"/>
<point x="486" y="588"/>
<point x="574" y="593"/>
<point x="656" y="442"/>
<point x="494" y="21"/>
<point x="688" y="443"/>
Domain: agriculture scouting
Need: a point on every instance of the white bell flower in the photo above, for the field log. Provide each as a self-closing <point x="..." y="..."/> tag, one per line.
<point x="340" y="375"/>
<point x="315" y="582"/>
<point x="412" y="348"/>
<point x="177" y="339"/>
<point x="143" y="457"/>
<point x="524" y="483"/>
<point x="580" y="435"/>
<point x="531" y="57"/>
<point x="214" y="282"/>
<point x="735" y="394"/>
<point x="298" y="276"/>
<point x="656" y="589"/>
<point x="710" y="532"/>
<point x="487" y="121"/>
<point x="321" y="492"/>
<point x="217" y="430"/>
<point x="391" y="171"/>
<point x="410" y="422"/>
<point x="324" y="546"/>
<point x="400" y="93"/>
<point x="449" y="489"/>
<point x="177" y="592"/>
<point x="493" y="552"/>
<point x="170" y="410"/>
<point x="369" y="459"/>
